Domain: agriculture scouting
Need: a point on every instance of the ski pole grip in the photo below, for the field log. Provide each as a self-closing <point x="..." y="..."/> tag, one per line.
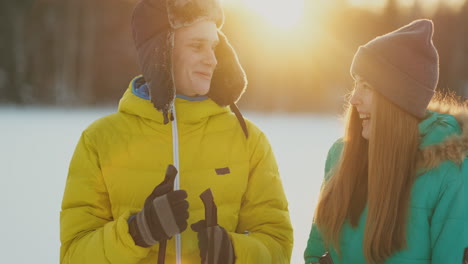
<point x="211" y="218"/>
<point x="211" y="211"/>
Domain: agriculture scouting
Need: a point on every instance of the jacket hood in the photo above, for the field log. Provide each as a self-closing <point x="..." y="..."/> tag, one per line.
<point x="451" y="119"/>
<point x="189" y="112"/>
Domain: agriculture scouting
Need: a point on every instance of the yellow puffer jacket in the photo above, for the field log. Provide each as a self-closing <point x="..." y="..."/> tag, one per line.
<point x="121" y="158"/>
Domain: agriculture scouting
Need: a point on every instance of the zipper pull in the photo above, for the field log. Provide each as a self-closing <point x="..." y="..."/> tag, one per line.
<point x="172" y="116"/>
<point x="165" y="116"/>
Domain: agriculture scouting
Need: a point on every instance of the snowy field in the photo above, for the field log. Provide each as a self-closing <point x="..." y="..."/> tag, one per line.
<point x="36" y="145"/>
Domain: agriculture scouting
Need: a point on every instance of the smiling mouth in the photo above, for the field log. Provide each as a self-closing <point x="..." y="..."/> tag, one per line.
<point x="204" y="75"/>
<point x="364" y="117"/>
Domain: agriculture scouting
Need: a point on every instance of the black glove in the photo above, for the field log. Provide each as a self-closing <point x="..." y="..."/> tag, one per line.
<point x="465" y="257"/>
<point x="223" y="251"/>
<point x="164" y="214"/>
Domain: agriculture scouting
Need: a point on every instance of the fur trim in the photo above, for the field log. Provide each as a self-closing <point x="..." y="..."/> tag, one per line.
<point x="454" y="148"/>
<point x="186" y="12"/>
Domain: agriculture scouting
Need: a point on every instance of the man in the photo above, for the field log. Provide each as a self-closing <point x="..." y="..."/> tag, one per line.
<point x="119" y="205"/>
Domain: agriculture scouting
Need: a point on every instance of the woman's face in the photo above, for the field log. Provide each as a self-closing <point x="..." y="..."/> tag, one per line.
<point x="362" y="100"/>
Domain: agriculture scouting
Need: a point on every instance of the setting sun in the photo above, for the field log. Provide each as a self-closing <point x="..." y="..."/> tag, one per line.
<point x="281" y="13"/>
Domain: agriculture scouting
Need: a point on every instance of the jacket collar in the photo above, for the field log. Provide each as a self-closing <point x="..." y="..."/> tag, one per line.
<point x="135" y="102"/>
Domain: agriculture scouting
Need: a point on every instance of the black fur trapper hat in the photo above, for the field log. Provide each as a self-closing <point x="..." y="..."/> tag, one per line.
<point x="154" y="23"/>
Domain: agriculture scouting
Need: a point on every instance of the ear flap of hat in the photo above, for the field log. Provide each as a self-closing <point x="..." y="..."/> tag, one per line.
<point x="229" y="80"/>
<point x="155" y="59"/>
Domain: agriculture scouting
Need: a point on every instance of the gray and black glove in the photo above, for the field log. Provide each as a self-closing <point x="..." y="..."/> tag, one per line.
<point x="164" y="214"/>
<point x="223" y="252"/>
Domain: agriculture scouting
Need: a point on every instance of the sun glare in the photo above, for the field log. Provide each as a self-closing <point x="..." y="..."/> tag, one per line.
<point x="281" y="13"/>
<point x="425" y="4"/>
<point x="369" y="3"/>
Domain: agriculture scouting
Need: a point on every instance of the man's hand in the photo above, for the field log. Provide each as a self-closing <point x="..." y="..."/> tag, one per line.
<point x="164" y="214"/>
<point x="223" y="251"/>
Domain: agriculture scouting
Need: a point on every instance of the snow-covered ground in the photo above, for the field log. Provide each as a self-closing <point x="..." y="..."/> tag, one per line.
<point x="36" y="145"/>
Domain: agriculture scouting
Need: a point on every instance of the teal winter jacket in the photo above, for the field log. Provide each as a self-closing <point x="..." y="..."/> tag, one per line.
<point x="438" y="222"/>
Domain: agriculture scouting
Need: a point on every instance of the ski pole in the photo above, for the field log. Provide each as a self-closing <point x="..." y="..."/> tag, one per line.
<point x="211" y="218"/>
<point x="171" y="173"/>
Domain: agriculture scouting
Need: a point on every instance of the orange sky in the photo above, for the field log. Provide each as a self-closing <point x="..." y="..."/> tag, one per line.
<point x="286" y="14"/>
<point x="429" y="4"/>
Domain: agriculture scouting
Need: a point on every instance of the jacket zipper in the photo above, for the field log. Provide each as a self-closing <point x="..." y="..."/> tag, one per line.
<point x="175" y="153"/>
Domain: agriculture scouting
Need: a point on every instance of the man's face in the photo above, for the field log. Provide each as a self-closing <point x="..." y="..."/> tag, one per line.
<point x="194" y="59"/>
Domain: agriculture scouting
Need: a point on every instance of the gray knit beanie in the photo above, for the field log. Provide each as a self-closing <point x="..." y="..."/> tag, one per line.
<point x="402" y="65"/>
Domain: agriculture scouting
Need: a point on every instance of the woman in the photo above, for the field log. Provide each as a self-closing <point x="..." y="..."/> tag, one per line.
<point x="393" y="190"/>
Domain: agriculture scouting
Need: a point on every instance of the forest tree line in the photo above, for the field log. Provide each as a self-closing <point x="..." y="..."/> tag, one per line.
<point x="81" y="52"/>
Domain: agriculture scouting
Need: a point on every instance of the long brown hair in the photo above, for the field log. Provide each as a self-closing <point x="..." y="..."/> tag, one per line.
<point x="378" y="173"/>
